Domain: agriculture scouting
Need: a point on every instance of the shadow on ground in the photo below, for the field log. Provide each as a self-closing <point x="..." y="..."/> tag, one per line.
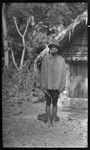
<point x="42" y="117"/>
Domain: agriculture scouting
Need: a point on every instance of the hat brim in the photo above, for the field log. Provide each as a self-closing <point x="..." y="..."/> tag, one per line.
<point x="51" y="45"/>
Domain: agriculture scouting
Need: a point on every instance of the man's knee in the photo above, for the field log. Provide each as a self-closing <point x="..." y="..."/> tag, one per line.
<point x="48" y="100"/>
<point x="54" y="103"/>
<point x="54" y="100"/>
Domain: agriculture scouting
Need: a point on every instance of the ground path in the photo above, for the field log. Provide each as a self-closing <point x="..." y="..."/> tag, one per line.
<point x="21" y="128"/>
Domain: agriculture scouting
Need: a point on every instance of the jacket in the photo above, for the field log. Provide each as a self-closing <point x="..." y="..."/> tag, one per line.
<point x="53" y="72"/>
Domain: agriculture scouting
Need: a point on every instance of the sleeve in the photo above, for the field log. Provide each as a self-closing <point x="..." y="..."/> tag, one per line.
<point x="63" y="83"/>
<point x="42" y="75"/>
<point x="35" y="73"/>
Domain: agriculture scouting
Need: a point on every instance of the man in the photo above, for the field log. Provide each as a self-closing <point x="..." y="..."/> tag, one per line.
<point x="53" y="79"/>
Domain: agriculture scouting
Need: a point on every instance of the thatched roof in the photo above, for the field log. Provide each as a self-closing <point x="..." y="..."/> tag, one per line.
<point x="78" y="49"/>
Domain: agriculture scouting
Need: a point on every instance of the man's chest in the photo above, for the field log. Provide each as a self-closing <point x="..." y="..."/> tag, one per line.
<point x="53" y="64"/>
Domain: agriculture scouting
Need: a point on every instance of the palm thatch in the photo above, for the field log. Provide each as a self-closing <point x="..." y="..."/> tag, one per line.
<point x="77" y="50"/>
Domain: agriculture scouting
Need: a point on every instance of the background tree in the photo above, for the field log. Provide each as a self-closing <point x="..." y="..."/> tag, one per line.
<point x="48" y="17"/>
<point x="5" y="40"/>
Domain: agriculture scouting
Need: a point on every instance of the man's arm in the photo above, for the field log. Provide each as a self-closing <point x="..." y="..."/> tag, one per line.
<point x="63" y="81"/>
<point x="42" y="75"/>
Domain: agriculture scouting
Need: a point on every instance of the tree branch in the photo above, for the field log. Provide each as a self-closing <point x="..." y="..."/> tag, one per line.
<point x="26" y="27"/>
<point x="14" y="60"/>
<point x="23" y="52"/>
<point x="15" y="21"/>
<point x="71" y="27"/>
<point x="25" y="63"/>
<point x="23" y="40"/>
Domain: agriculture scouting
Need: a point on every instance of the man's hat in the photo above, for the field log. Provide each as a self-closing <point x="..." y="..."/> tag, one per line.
<point x="54" y="43"/>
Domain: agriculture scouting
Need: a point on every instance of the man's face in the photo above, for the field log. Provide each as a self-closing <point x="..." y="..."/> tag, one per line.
<point x="53" y="50"/>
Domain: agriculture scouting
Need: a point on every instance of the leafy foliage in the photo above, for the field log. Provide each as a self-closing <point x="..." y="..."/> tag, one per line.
<point x="47" y="16"/>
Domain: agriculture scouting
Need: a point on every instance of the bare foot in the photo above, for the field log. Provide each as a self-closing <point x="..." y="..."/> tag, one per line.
<point x="53" y="124"/>
<point x="48" y="124"/>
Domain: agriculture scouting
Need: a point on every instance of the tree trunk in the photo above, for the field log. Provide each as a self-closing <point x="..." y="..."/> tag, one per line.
<point x="23" y="53"/>
<point x="6" y="58"/>
<point x="5" y="42"/>
<point x="23" y="40"/>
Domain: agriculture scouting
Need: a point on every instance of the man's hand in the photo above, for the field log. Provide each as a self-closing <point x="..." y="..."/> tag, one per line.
<point x="61" y="90"/>
<point x="44" y="90"/>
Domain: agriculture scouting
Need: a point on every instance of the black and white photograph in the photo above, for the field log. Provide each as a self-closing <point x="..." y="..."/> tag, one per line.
<point x="44" y="75"/>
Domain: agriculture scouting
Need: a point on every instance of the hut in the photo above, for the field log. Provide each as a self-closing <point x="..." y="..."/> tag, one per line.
<point x="75" y="55"/>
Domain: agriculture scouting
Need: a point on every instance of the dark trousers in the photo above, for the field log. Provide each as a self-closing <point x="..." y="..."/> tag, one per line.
<point x="52" y="97"/>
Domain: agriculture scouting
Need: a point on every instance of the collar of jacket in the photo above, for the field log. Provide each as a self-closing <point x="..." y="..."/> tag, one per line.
<point x="52" y="57"/>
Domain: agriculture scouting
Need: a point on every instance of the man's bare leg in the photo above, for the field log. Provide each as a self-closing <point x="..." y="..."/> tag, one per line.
<point x="54" y="115"/>
<point x="48" y="115"/>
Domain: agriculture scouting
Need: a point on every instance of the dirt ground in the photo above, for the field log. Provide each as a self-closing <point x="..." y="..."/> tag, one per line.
<point x="21" y="127"/>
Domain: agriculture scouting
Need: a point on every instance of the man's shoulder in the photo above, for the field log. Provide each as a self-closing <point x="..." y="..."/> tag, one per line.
<point x="61" y="58"/>
<point x="45" y="57"/>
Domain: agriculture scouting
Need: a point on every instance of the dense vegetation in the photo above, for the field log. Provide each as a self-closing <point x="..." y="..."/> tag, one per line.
<point x="47" y="18"/>
<point x="42" y="22"/>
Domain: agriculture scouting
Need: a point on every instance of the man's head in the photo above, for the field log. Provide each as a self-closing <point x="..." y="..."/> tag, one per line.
<point x="54" y="47"/>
